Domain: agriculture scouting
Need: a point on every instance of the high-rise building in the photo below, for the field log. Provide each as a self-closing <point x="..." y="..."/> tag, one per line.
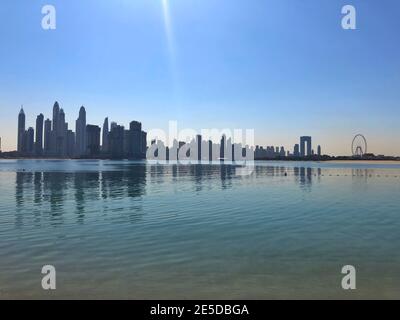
<point x="93" y="140"/>
<point x="39" y="135"/>
<point x="70" y="143"/>
<point x="54" y="132"/>
<point x="81" y="132"/>
<point x="134" y="140"/>
<point x="104" y="143"/>
<point x="319" y="150"/>
<point x="30" y="137"/>
<point x="282" y="152"/>
<point x="113" y="125"/>
<point x="126" y="143"/>
<point x="116" y="140"/>
<point x="21" y="129"/>
<point x="61" y="149"/>
<point x="303" y="141"/>
<point x="47" y="136"/>
<point x="296" y="150"/>
<point x="56" y="115"/>
<point x="144" y="144"/>
<point x="222" y="147"/>
<point x="198" y="143"/>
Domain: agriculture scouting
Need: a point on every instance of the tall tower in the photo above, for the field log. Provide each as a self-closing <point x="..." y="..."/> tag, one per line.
<point x="39" y="135"/>
<point x="303" y="141"/>
<point x="62" y="134"/>
<point x="198" y="143"/>
<point x="30" y="134"/>
<point x="105" y="143"/>
<point x="135" y="139"/>
<point x="21" y="129"/>
<point x="222" y="147"/>
<point x="47" y="136"/>
<point x="56" y="115"/>
<point x="54" y="132"/>
<point x="93" y="140"/>
<point x="81" y="132"/>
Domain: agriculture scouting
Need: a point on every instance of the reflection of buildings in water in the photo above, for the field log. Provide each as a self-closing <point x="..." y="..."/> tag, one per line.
<point x="57" y="189"/>
<point x="20" y="178"/>
<point x="86" y="187"/>
<point x="303" y="175"/>
<point x="360" y="178"/>
<point x="23" y="182"/>
<point x="365" y="173"/>
<point x="227" y="171"/>
<point x="37" y="185"/>
<point x="197" y="173"/>
<point x="136" y="180"/>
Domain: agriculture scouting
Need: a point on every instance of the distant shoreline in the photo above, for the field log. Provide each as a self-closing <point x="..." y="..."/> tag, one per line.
<point x="389" y="160"/>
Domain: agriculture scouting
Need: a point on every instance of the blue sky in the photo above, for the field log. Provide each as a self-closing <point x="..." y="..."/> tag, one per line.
<point x="282" y="67"/>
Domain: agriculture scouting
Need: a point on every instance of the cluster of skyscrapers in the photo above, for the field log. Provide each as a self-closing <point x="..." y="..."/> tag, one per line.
<point x="53" y="138"/>
<point x="200" y="150"/>
<point x="302" y="150"/>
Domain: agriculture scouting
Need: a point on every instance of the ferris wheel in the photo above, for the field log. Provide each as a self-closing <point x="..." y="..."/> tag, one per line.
<point x="359" y="146"/>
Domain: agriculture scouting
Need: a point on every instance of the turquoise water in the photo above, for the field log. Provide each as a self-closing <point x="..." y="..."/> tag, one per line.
<point x="164" y="231"/>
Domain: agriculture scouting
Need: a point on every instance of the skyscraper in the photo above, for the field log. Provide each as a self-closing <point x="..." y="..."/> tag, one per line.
<point x="116" y="140"/>
<point x="113" y="125"/>
<point x="56" y="114"/>
<point x="222" y="147"/>
<point x="296" y="150"/>
<point x="54" y="132"/>
<point x="144" y="144"/>
<point x="319" y="150"/>
<point x="303" y="141"/>
<point x="21" y="129"/>
<point x="81" y="132"/>
<point x="105" y="144"/>
<point x="61" y="135"/>
<point x="198" y="142"/>
<point x="93" y="140"/>
<point x="47" y="136"/>
<point x="70" y="143"/>
<point x="30" y="136"/>
<point x="135" y="140"/>
<point x="39" y="135"/>
<point x="282" y="152"/>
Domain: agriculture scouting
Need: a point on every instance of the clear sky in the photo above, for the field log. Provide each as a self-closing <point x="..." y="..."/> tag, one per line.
<point x="282" y="67"/>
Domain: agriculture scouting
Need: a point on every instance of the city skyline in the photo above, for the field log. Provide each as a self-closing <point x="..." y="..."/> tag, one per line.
<point x="276" y="67"/>
<point x="54" y="138"/>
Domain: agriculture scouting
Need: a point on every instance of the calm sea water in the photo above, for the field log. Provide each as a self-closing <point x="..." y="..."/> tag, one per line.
<point x="120" y="229"/>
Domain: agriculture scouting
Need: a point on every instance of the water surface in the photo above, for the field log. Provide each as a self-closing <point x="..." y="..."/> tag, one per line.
<point x="135" y="230"/>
